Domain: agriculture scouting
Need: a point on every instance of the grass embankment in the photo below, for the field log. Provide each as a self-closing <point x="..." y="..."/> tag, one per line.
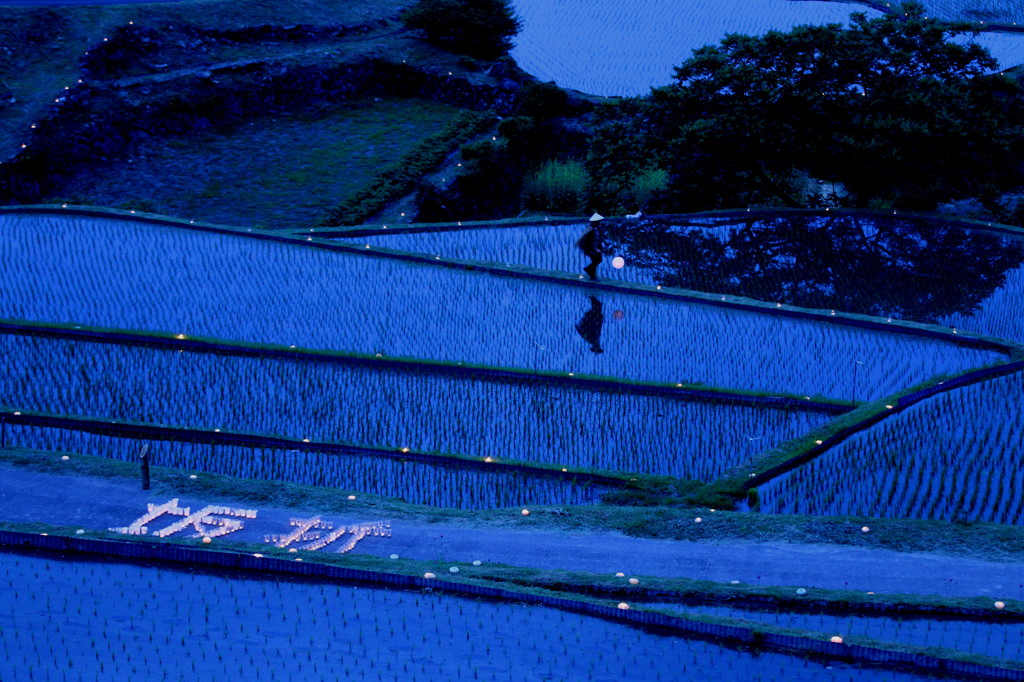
<point x="296" y="166"/>
<point x="979" y="540"/>
<point x="576" y="590"/>
<point x="743" y="481"/>
<point x="400" y="177"/>
<point x="287" y="168"/>
<point x="47" y="42"/>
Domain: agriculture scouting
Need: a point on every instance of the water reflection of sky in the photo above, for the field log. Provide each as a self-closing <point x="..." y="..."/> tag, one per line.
<point x="624" y="48"/>
<point x="129" y="275"/>
<point x="908" y="269"/>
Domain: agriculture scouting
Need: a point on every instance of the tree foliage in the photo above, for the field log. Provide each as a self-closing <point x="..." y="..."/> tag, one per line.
<point x="900" y="109"/>
<point x="478" y="28"/>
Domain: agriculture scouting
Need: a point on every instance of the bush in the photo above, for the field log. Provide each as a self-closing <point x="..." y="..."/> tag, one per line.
<point x="558" y="186"/>
<point x="400" y="178"/>
<point x="542" y="101"/>
<point x="478" y="28"/>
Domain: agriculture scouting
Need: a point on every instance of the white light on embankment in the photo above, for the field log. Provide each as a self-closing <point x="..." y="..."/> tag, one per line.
<point x="836" y="639"/>
<point x="525" y="512"/>
<point x="623" y="606"/>
<point x="865" y="529"/>
<point x="1000" y="605"/>
<point x="429" y="576"/>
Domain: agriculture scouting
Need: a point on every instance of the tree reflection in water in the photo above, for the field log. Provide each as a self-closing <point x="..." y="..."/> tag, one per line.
<point x="908" y="268"/>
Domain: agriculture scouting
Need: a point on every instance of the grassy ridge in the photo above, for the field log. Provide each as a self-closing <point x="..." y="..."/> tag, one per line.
<point x="400" y="177"/>
<point x="980" y="540"/>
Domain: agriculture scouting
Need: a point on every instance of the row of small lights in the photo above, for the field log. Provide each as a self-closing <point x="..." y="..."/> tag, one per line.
<point x="60" y="100"/>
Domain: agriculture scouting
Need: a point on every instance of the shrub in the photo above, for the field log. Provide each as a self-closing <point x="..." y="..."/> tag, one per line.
<point x="479" y="28"/>
<point x="542" y="101"/>
<point x="559" y="186"/>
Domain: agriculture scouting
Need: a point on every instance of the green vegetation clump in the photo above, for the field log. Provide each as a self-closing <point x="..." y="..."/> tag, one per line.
<point x="897" y="110"/>
<point x="401" y="177"/>
<point x="478" y="28"/>
<point x="558" y="187"/>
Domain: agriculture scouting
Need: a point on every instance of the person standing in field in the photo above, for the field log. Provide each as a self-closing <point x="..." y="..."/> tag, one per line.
<point x="590" y="245"/>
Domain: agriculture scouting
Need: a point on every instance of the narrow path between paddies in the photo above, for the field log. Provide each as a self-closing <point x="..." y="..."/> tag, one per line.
<point x="102" y="504"/>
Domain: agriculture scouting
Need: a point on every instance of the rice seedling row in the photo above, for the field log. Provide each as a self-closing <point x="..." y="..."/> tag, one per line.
<point x="1001" y="315"/>
<point x="387" y="409"/>
<point x="412" y="481"/>
<point x="1002" y="640"/>
<point x="545" y="247"/>
<point x="773" y="258"/>
<point x="181" y="281"/>
<point x="92" y="620"/>
<point x="956" y="456"/>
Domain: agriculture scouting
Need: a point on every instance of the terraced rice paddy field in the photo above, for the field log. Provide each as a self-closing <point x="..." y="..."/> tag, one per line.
<point x="473" y="368"/>
<point x="153" y="623"/>
<point x="641" y="42"/>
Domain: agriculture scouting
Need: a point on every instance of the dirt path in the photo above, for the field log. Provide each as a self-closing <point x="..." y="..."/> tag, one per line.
<point x="27" y="496"/>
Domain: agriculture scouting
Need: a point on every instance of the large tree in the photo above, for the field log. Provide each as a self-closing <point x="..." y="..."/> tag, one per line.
<point x="479" y="28"/>
<point x="901" y="109"/>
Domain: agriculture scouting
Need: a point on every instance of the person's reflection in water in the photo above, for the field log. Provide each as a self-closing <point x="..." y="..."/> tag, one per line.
<point x="590" y="245"/>
<point x="591" y="324"/>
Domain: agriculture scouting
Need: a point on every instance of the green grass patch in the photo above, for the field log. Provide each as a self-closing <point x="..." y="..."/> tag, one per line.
<point x="557" y="186"/>
<point x="283" y="171"/>
<point x="400" y="177"/>
<point x="47" y="42"/>
<point x="980" y="540"/>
